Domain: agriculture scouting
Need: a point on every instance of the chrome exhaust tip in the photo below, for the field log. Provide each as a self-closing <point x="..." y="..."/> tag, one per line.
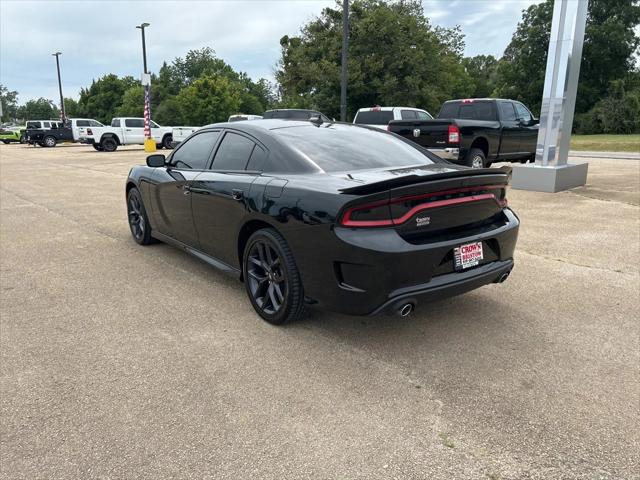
<point x="503" y="277"/>
<point x="405" y="310"/>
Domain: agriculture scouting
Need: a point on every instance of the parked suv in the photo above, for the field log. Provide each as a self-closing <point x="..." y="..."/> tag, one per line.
<point x="379" y="117"/>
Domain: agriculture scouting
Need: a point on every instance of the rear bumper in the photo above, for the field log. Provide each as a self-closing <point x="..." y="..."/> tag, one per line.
<point x="447" y="285"/>
<point x="451" y="154"/>
<point x="368" y="271"/>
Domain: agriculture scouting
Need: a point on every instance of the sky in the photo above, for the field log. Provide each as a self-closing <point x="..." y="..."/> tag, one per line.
<point x="99" y="37"/>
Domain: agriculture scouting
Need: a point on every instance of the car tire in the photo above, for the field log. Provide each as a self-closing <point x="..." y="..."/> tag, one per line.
<point x="137" y="217"/>
<point x="6" y="142"/>
<point x="98" y="147"/>
<point x="475" y="159"/>
<point x="49" y="141"/>
<point x="109" y="144"/>
<point x="167" y="141"/>
<point x="23" y="138"/>
<point x="271" y="278"/>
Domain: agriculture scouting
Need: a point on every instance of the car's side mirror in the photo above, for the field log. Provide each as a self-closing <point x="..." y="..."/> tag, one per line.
<point x="156" y="160"/>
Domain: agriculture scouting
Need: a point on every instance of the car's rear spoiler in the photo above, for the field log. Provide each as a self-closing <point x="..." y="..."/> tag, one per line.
<point x="478" y="176"/>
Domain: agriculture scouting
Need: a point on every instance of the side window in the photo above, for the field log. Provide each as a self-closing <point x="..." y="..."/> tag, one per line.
<point x="408" y="115"/>
<point x="82" y="123"/>
<point x="194" y="153"/>
<point x="93" y="123"/>
<point x="152" y="123"/>
<point x="134" y="123"/>
<point x="115" y="123"/>
<point x="507" y="113"/>
<point x="423" y="116"/>
<point x="46" y="124"/>
<point x="256" y="160"/>
<point x="233" y="153"/>
<point x="523" y="113"/>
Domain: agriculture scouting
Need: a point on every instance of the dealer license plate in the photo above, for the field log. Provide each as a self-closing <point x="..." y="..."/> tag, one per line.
<point x="468" y="255"/>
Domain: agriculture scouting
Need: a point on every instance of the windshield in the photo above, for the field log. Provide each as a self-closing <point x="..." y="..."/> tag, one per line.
<point x="338" y="148"/>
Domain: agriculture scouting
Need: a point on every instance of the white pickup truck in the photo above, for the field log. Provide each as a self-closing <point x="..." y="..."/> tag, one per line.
<point x="179" y="134"/>
<point x="125" y="131"/>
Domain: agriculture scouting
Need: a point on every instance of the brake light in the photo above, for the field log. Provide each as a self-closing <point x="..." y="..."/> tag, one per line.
<point x="89" y="131"/>
<point x="453" y="134"/>
<point x="377" y="108"/>
<point x="467" y="100"/>
<point x="391" y="212"/>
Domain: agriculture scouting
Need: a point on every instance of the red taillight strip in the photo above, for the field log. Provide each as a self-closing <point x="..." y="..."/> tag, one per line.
<point x="347" y="222"/>
<point x="445" y="192"/>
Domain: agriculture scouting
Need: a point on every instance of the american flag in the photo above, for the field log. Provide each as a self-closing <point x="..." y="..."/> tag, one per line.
<point x="147" y="113"/>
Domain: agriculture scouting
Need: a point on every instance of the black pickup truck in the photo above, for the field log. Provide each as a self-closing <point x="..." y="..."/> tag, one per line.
<point x="476" y="132"/>
<point x="58" y="133"/>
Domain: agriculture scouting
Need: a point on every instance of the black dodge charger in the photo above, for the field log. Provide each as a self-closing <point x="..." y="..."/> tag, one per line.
<point x="348" y="218"/>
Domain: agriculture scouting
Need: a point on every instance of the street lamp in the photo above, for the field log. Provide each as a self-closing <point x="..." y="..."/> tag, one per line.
<point x="63" y="115"/>
<point x="149" y="143"/>
<point x="144" y="45"/>
<point x="345" y="48"/>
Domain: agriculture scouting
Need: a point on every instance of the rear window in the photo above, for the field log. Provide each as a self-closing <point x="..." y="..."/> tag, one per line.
<point x="340" y="148"/>
<point x="449" y="110"/>
<point x="374" y="118"/>
<point x="468" y="111"/>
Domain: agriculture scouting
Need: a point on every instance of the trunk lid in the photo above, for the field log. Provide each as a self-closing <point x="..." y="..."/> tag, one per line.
<point x="426" y="202"/>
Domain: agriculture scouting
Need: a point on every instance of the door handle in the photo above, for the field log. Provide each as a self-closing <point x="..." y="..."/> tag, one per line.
<point x="237" y="194"/>
<point x="186" y="189"/>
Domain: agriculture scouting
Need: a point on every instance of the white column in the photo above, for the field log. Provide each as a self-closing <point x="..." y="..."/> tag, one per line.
<point x="551" y="171"/>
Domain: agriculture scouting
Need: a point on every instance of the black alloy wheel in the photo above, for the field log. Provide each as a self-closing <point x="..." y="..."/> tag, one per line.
<point x="167" y="141"/>
<point x="138" y="221"/>
<point x="272" y="279"/>
<point x="109" y="144"/>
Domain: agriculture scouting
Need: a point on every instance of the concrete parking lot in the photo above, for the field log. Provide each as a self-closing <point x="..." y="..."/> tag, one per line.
<point x="120" y="361"/>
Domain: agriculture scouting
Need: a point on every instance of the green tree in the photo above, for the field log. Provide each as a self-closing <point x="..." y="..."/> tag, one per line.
<point x="608" y="54"/>
<point x="483" y="71"/>
<point x="168" y="113"/>
<point x="9" y="99"/>
<point x="395" y="58"/>
<point x="105" y="95"/>
<point x="71" y="108"/>
<point x="40" y="109"/>
<point x="132" y="102"/>
<point x="208" y="100"/>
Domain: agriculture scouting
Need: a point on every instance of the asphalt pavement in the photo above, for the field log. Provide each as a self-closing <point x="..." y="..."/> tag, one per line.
<point x="122" y="362"/>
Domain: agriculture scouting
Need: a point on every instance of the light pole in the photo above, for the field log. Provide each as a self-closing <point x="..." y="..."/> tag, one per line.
<point x="63" y="114"/>
<point x="345" y="48"/>
<point x="144" y="45"/>
<point x="149" y="144"/>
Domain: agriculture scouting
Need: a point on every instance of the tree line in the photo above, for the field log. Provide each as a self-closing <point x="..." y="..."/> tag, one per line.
<point x="396" y="57"/>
